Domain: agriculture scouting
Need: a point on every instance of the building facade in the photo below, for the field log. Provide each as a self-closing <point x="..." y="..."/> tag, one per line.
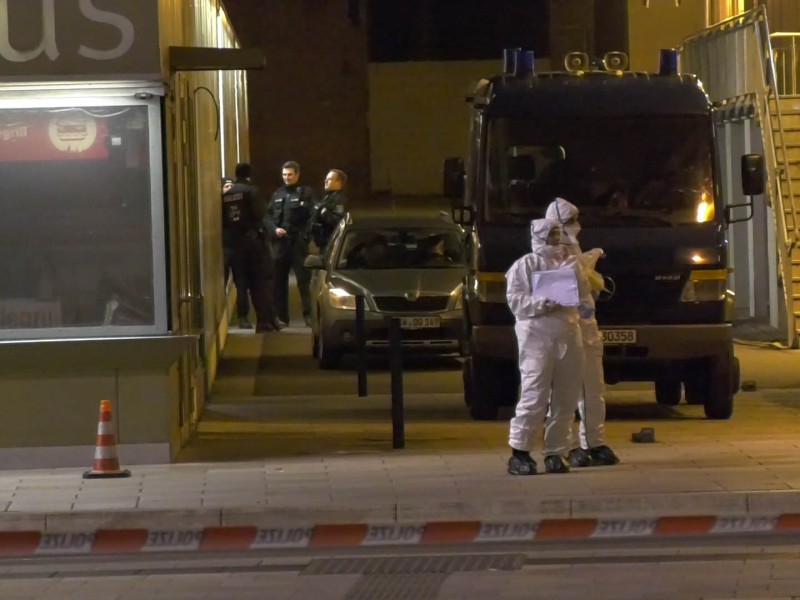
<point x="115" y="127"/>
<point x="391" y="123"/>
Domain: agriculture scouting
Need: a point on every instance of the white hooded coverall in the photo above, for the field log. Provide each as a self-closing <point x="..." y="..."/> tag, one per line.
<point x="550" y="350"/>
<point x="591" y="404"/>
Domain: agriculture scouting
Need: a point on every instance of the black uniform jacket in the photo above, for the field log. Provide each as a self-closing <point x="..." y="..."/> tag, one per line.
<point x="243" y="211"/>
<point x="290" y="208"/>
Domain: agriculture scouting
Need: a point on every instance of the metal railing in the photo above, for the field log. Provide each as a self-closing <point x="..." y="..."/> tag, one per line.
<point x="735" y="61"/>
<point x="786" y="57"/>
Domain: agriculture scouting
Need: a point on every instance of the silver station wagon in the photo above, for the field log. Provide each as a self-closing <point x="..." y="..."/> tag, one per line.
<point x="409" y="268"/>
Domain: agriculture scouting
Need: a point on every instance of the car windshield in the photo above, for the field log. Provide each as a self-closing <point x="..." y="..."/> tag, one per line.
<point x="401" y="248"/>
<point x="620" y="172"/>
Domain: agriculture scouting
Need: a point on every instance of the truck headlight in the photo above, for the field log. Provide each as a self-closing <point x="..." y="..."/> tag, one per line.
<point x="341" y="299"/>
<point x="705" y="286"/>
<point x="697" y="256"/>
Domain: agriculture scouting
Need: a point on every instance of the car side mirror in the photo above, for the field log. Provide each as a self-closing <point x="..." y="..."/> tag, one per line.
<point x="313" y="261"/>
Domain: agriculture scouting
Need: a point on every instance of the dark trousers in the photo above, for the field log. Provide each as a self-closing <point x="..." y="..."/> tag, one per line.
<point x="240" y="281"/>
<point x="251" y="265"/>
<point x="289" y="256"/>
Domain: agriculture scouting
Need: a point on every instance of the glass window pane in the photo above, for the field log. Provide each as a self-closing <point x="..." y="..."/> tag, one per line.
<point x="76" y="247"/>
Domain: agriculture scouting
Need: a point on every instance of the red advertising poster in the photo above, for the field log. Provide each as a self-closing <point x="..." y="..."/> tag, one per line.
<point x="53" y="136"/>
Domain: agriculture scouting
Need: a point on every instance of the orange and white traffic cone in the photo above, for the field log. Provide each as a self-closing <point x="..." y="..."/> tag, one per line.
<point x="106" y="462"/>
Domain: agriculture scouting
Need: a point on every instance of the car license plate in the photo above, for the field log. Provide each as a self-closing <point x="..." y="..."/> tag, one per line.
<point x="419" y="322"/>
<point x="619" y="336"/>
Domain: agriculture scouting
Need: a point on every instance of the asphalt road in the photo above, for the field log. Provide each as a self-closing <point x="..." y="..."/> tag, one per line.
<point x="763" y="567"/>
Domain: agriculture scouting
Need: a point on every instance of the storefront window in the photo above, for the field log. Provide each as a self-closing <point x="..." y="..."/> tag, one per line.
<point x="81" y="250"/>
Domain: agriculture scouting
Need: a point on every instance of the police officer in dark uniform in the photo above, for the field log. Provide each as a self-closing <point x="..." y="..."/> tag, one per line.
<point x="330" y="211"/>
<point x="288" y="214"/>
<point x="247" y="246"/>
<point x="228" y="248"/>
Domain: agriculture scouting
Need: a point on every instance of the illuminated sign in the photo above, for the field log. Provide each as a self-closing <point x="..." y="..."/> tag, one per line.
<point x="66" y="136"/>
<point x="68" y="39"/>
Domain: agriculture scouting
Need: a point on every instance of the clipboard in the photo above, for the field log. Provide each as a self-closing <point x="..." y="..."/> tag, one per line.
<point x="559" y="285"/>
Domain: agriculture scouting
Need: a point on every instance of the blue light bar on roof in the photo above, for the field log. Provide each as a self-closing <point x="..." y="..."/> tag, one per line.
<point x="668" y="62"/>
<point x="524" y="63"/>
<point x="510" y="60"/>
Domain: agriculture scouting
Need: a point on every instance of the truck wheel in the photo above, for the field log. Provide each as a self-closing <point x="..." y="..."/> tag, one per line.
<point x="476" y="398"/>
<point x="488" y="385"/>
<point x="668" y="391"/>
<point x="466" y="378"/>
<point x="715" y="386"/>
<point x="329" y="356"/>
<point x="696" y="387"/>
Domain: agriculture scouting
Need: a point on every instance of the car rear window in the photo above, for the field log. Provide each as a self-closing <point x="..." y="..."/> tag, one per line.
<point x="401" y="249"/>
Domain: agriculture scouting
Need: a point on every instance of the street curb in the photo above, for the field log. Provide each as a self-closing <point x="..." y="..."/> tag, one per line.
<point x="243" y="538"/>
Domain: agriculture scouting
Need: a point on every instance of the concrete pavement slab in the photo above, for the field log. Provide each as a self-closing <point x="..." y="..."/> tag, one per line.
<point x="294" y="476"/>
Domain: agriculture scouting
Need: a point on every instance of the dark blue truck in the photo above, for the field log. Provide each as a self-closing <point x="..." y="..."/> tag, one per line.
<point x="636" y="153"/>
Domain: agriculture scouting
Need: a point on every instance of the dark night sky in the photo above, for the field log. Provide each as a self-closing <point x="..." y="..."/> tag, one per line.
<point x="401" y="30"/>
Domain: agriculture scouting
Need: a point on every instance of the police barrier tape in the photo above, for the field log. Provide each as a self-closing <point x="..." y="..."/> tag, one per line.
<point x="111" y="541"/>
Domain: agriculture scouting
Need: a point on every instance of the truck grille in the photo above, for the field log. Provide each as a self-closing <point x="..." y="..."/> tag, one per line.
<point x="421" y="304"/>
<point x="641" y="299"/>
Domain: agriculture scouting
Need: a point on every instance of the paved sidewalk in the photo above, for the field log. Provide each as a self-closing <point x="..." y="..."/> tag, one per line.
<point x="414" y="498"/>
<point x="741" y="475"/>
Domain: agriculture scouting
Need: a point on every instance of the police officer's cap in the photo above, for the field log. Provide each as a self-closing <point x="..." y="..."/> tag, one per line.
<point x="243" y="171"/>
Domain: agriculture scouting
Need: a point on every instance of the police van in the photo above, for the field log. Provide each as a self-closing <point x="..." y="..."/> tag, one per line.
<point x="636" y="153"/>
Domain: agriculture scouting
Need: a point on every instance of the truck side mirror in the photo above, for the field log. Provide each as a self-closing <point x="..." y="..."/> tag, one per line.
<point x="752" y="185"/>
<point x="453" y="182"/>
<point x="752" y="174"/>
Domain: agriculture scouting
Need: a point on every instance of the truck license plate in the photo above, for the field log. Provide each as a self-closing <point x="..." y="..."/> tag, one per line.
<point x="419" y="322"/>
<point x="619" y="336"/>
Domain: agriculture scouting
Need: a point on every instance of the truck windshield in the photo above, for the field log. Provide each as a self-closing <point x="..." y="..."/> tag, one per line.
<point x="621" y="172"/>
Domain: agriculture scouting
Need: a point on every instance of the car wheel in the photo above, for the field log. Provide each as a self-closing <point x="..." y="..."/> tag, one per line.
<point x="668" y="391"/>
<point x="329" y="356"/>
<point x="315" y="340"/>
<point x="314" y="345"/>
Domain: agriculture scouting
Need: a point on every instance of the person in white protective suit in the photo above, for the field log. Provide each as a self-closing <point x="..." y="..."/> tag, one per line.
<point x="591" y="404"/>
<point x="550" y="353"/>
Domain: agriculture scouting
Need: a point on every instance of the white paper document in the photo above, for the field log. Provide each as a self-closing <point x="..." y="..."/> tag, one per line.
<point x="560" y="286"/>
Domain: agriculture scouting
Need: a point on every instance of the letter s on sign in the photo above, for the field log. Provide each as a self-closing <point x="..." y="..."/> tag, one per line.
<point x="126" y="28"/>
<point x="47" y="45"/>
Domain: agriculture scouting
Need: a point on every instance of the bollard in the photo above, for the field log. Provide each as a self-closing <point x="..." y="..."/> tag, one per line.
<point x="396" y="367"/>
<point x="361" y="342"/>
